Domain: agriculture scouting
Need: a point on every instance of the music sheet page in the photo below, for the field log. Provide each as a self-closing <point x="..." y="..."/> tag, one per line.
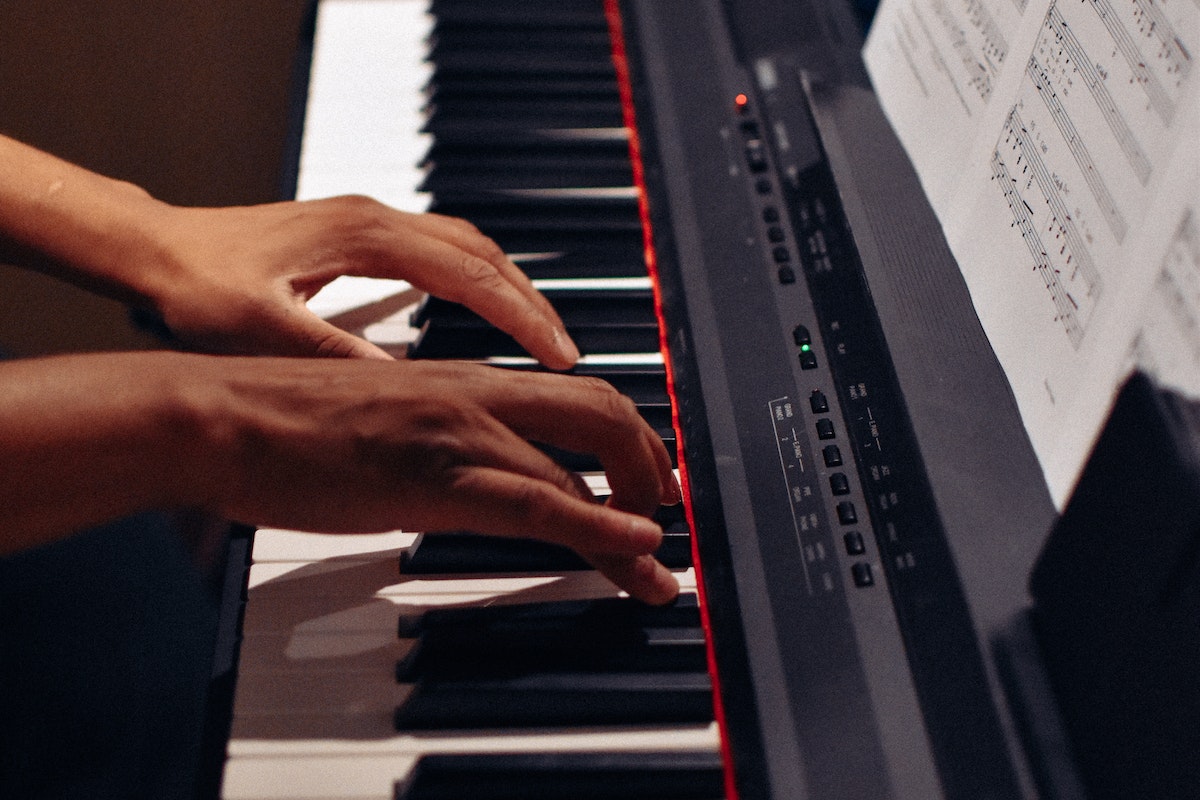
<point x="1058" y="142"/>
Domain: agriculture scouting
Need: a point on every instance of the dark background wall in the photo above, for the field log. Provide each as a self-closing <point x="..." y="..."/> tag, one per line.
<point x="187" y="99"/>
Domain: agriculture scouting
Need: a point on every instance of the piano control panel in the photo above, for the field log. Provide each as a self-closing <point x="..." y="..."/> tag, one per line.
<point x="826" y="517"/>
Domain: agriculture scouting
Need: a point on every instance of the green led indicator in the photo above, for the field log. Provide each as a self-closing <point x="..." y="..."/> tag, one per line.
<point x="804" y="348"/>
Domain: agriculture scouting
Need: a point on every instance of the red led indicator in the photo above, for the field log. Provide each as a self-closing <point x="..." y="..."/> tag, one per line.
<point x="741" y="101"/>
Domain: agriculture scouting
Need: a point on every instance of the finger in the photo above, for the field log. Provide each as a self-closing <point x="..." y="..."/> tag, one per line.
<point x="585" y="415"/>
<point x="497" y="292"/>
<point x="642" y="576"/>
<point x="503" y="503"/>
<point x="303" y="333"/>
<point x="464" y="235"/>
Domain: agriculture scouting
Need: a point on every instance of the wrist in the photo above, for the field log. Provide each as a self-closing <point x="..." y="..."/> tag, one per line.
<point x="88" y="439"/>
<point x="83" y="227"/>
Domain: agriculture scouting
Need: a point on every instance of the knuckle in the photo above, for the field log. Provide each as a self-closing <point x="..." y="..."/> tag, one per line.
<point x="616" y="407"/>
<point x="336" y="345"/>
<point x="480" y="274"/>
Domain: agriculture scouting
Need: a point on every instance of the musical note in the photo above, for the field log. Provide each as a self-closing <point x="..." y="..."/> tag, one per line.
<point x="1094" y="76"/>
<point x="1067" y="272"/>
<point x="1141" y="74"/>
<point x="1066" y="127"/>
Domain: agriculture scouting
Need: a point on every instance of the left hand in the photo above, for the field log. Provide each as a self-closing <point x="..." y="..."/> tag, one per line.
<point x="236" y="280"/>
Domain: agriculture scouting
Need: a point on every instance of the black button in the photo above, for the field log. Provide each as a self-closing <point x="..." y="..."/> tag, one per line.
<point x="763" y="186"/>
<point x="833" y="455"/>
<point x="770" y="214"/>
<point x="801" y="336"/>
<point x="862" y="574"/>
<point x="756" y="155"/>
<point x="839" y="483"/>
<point x="775" y="234"/>
<point x="847" y="515"/>
<point x="808" y="360"/>
<point x="825" y="429"/>
<point x="818" y="402"/>
<point x="855" y="545"/>
<point x="781" y="255"/>
<point x="787" y="275"/>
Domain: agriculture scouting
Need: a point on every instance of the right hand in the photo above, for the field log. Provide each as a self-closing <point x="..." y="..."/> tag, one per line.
<point x="358" y="446"/>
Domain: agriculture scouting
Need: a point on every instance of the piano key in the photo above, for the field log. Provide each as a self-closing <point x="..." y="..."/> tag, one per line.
<point x="598" y="321"/>
<point x="535" y="38"/>
<point x="283" y="761"/>
<point x="459" y="177"/>
<point x="480" y="13"/>
<point x="554" y="699"/>
<point x="460" y="552"/>
<point x="464" y="552"/>
<point x="458" y="654"/>
<point x="684" y="612"/>
<point x="621" y="260"/>
<point x="504" y="113"/>
<point x="348" y="146"/>
<point x="581" y="303"/>
<point x="565" y="776"/>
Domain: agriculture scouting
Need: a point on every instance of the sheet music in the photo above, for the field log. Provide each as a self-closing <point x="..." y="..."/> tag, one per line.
<point x="1058" y="143"/>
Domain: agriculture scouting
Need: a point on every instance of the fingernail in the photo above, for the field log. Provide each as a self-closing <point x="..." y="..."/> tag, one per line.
<point x="565" y="346"/>
<point x="674" y="494"/>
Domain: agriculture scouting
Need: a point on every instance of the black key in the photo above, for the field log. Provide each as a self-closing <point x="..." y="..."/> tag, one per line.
<point x="580" y="308"/>
<point x="548" y="137"/>
<point x="461" y="552"/>
<point x="565" y="776"/>
<point x="469" y="654"/>
<point x="458" y="179"/>
<point x="497" y="153"/>
<point x="594" y="42"/>
<point x="618" y="246"/>
<point x="439" y="340"/>
<point x="644" y="384"/>
<point x="507" y="113"/>
<point x="577" y="14"/>
<point x="498" y="213"/>
<point x="548" y="87"/>
<point x="583" y="262"/>
<point x="613" y="611"/>
<point x="598" y="321"/>
<point x="554" y="699"/>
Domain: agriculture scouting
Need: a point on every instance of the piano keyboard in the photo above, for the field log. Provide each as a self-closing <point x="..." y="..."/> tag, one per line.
<point x="364" y="656"/>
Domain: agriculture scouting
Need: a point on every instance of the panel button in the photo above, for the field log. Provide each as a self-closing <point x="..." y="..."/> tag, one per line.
<point x="770" y="215"/>
<point x="808" y="360"/>
<point x="787" y="275"/>
<point x="855" y="545"/>
<point x="839" y="483"/>
<point x="847" y="514"/>
<point x="801" y="336"/>
<point x="775" y="234"/>
<point x="825" y="429"/>
<point x="863" y="576"/>
<point x="818" y="402"/>
<point x="781" y="255"/>
<point x="763" y="186"/>
<point x="756" y="155"/>
<point x="833" y="455"/>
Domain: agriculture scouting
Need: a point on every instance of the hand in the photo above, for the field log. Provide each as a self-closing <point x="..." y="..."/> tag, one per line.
<point x="346" y="445"/>
<point x="434" y="446"/>
<point x="235" y="280"/>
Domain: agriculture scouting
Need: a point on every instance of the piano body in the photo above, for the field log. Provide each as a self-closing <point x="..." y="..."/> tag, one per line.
<point x="710" y="193"/>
